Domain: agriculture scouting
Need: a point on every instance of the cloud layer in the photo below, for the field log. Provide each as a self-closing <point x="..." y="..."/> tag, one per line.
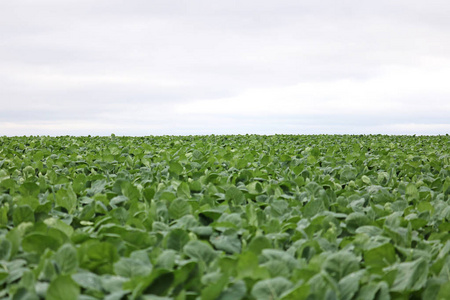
<point x="228" y="67"/>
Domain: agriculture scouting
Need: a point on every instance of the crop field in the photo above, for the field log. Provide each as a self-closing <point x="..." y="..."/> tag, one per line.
<point x="225" y="217"/>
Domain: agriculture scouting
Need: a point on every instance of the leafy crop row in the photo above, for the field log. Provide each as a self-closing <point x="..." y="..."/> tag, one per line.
<point x="225" y="217"/>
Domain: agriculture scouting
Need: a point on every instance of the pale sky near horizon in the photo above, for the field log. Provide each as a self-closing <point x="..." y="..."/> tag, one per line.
<point x="79" y="67"/>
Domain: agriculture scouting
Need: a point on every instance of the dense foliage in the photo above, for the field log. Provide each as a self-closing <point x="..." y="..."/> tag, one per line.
<point x="225" y="217"/>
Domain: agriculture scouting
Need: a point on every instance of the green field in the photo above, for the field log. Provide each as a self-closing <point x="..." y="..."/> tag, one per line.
<point x="225" y="217"/>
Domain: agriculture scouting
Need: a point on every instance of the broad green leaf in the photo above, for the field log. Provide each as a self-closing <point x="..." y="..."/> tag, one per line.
<point x="366" y="179"/>
<point x="248" y="266"/>
<point x="24" y="293"/>
<point x="349" y="285"/>
<point x="411" y="276"/>
<point x="179" y="208"/>
<point x="236" y="291"/>
<point x="235" y="195"/>
<point x="381" y="256"/>
<point x="166" y="260"/>
<point x="313" y="207"/>
<point x="341" y="264"/>
<point x="230" y="243"/>
<point x="63" y="287"/>
<point x="271" y="289"/>
<point x="38" y="242"/>
<point x="259" y="243"/>
<point x="22" y="214"/>
<point x="79" y="183"/>
<point x="129" y="267"/>
<point x="98" y="257"/>
<point x="67" y="199"/>
<point x="411" y="192"/>
<point x="97" y="187"/>
<point x="300" y="292"/>
<point x="355" y="220"/>
<point x="130" y="191"/>
<point x="59" y="225"/>
<point x="214" y="289"/>
<point x="175" y="167"/>
<point x="347" y="174"/>
<point x="157" y="282"/>
<point x="67" y="259"/>
<point x="279" y="255"/>
<point x="29" y="189"/>
<point x="183" y="190"/>
<point x="88" y="280"/>
<point x="200" y="251"/>
<point x="374" y="290"/>
<point x="3" y="216"/>
<point x="444" y="291"/>
<point x="5" y="249"/>
<point x="255" y="188"/>
<point x="176" y="239"/>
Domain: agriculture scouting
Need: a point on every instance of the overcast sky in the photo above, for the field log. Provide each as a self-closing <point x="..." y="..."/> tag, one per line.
<point x="144" y="67"/>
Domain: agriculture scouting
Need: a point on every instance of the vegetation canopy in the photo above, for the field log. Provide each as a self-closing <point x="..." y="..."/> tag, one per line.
<point x="225" y="217"/>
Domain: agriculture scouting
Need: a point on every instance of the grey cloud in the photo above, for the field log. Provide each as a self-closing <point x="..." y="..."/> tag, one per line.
<point x="100" y="60"/>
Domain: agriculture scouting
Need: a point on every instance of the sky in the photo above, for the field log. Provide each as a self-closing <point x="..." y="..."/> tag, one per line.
<point x="146" y="67"/>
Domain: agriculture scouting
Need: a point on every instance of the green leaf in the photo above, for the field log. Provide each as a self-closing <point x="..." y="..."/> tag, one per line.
<point x="236" y="291"/>
<point x="259" y="243"/>
<point x="366" y="179"/>
<point x="425" y="206"/>
<point x="67" y="199"/>
<point x="313" y="207"/>
<point x="214" y="289"/>
<point x="129" y="267"/>
<point x="412" y="193"/>
<point x="200" y="251"/>
<point x="175" y="167"/>
<point x="229" y="243"/>
<point x="179" y="208"/>
<point x="271" y="255"/>
<point x="235" y="195"/>
<point x="98" y="257"/>
<point x="341" y="264"/>
<point x="3" y="216"/>
<point x="130" y="191"/>
<point x="255" y="188"/>
<point x="411" y="276"/>
<point x="380" y="257"/>
<point x="157" y="282"/>
<point x="63" y="287"/>
<point x="183" y="190"/>
<point x="22" y="214"/>
<point x="349" y="285"/>
<point x="59" y="225"/>
<point x="356" y="220"/>
<point x="88" y="280"/>
<point x="347" y="174"/>
<point x="176" y="239"/>
<point x="444" y="292"/>
<point x="24" y="294"/>
<point x="373" y="290"/>
<point x="166" y="260"/>
<point x="97" y="187"/>
<point x="249" y="267"/>
<point x="300" y="292"/>
<point x="38" y="242"/>
<point x="271" y="289"/>
<point x="79" y="183"/>
<point x="29" y="189"/>
<point x="5" y="249"/>
<point x="67" y="259"/>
